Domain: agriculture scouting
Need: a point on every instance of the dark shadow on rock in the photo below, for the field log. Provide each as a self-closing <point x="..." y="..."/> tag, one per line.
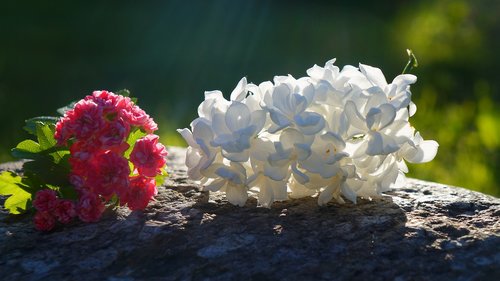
<point x="221" y="241"/>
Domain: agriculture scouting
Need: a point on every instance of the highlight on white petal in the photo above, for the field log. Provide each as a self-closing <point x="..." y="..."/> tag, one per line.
<point x="373" y="74"/>
<point x="237" y="116"/>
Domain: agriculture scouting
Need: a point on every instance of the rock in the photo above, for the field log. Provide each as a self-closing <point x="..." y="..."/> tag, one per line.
<point x="420" y="232"/>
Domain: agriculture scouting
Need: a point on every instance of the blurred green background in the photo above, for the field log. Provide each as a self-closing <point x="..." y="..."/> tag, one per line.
<point x="169" y="52"/>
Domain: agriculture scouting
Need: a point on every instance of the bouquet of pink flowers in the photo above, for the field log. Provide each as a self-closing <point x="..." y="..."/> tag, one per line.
<point x="101" y="152"/>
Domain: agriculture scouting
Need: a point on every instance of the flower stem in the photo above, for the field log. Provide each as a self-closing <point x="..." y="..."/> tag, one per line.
<point x="412" y="61"/>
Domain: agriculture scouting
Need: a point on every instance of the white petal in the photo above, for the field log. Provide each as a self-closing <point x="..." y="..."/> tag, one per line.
<point x="289" y="137"/>
<point x="354" y="117"/>
<point x="373" y="74"/>
<point x="279" y="189"/>
<point x="230" y="175"/>
<point x="299" y="191"/>
<point x="388" y="115"/>
<point x="236" y="194"/>
<point x="303" y="150"/>
<point x="258" y="118"/>
<point x="188" y="136"/>
<point x="403" y="80"/>
<point x="279" y="119"/>
<point x="381" y="144"/>
<point x="309" y="122"/>
<point x="299" y="175"/>
<point x="376" y="97"/>
<point x="280" y="96"/>
<point x="215" y="185"/>
<point x="237" y="116"/>
<point x="295" y="105"/>
<point x="236" y="156"/>
<point x="348" y="193"/>
<point x="412" y="108"/>
<point x="425" y="152"/>
<point x="277" y="173"/>
<point x="373" y="118"/>
<point x="266" y="196"/>
<point x="211" y="97"/>
<point x="239" y="93"/>
<point x="327" y="194"/>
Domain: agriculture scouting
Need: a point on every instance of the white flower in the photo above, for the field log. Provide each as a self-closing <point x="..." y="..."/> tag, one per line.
<point x="287" y="104"/>
<point x="235" y="129"/>
<point x="232" y="180"/>
<point x="419" y="150"/>
<point x="292" y="147"/>
<point x="200" y="154"/>
<point x="334" y="133"/>
<point x="327" y="150"/>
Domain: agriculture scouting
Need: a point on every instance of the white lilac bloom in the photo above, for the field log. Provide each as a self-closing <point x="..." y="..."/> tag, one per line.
<point x="200" y="153"/>
<point x="287" y="105"/>
<point x="338" y="133"/>
<point x="232" y="180"/>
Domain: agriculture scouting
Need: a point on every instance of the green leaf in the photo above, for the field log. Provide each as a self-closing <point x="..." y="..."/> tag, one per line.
<point x="27" y="149"/>
<point x="132" y="138"/>
<point x="44" y="171"/>
<point x="11" y="184"/>
<point x="68" y="192"/>
<point x="124" y="92"/>
<point x="64" y="109"/>
<point x="45" y="135"/>
<point x="30" y="126"/>
<point x="160" y="179"/>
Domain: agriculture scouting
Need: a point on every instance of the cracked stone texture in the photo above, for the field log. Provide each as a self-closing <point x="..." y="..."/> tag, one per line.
<point x="425" y="231"/>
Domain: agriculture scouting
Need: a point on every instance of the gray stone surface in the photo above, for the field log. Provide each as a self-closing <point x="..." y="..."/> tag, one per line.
<point x="425" y="231"/>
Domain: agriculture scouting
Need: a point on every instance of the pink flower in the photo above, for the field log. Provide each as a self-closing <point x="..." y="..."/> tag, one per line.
<point x="109" y="173"/>
<point x="141" y="191"/>
<point x="89" y="207"/>
<point x="114" y="133"/>
<point x="148" y="156"/>
<point x="64" y="211"/>
<point x="45" y="200"/>
<point x="85" y="119"/>
<point x="62" y="133"/>
<point x="138" y="117"/>
<point x="44" y="221"/>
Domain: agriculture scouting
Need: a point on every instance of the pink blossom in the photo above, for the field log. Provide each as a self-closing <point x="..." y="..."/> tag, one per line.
<point x="114" y="133"/>
<point x="45" y="200"/>
<point x="44" y="221"/>
<point x="62" y="133"/>
<point x="90" y="207"/>
<point x="138" y="117"/>
<point x="141" y="191"/>
<point x="64" y="211"/>
<point x="109" y="173"/>
<point x="76" y="180"/>
<point x="85" y="119"/>
<point x="148" y="156"/>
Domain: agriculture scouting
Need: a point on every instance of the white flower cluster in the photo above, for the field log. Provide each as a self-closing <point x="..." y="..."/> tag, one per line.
<point x="332" y="133"/>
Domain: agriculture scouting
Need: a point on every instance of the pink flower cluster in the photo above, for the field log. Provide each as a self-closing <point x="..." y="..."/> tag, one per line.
<point x="50" y="209"/>
<point x="96" y="130"/>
